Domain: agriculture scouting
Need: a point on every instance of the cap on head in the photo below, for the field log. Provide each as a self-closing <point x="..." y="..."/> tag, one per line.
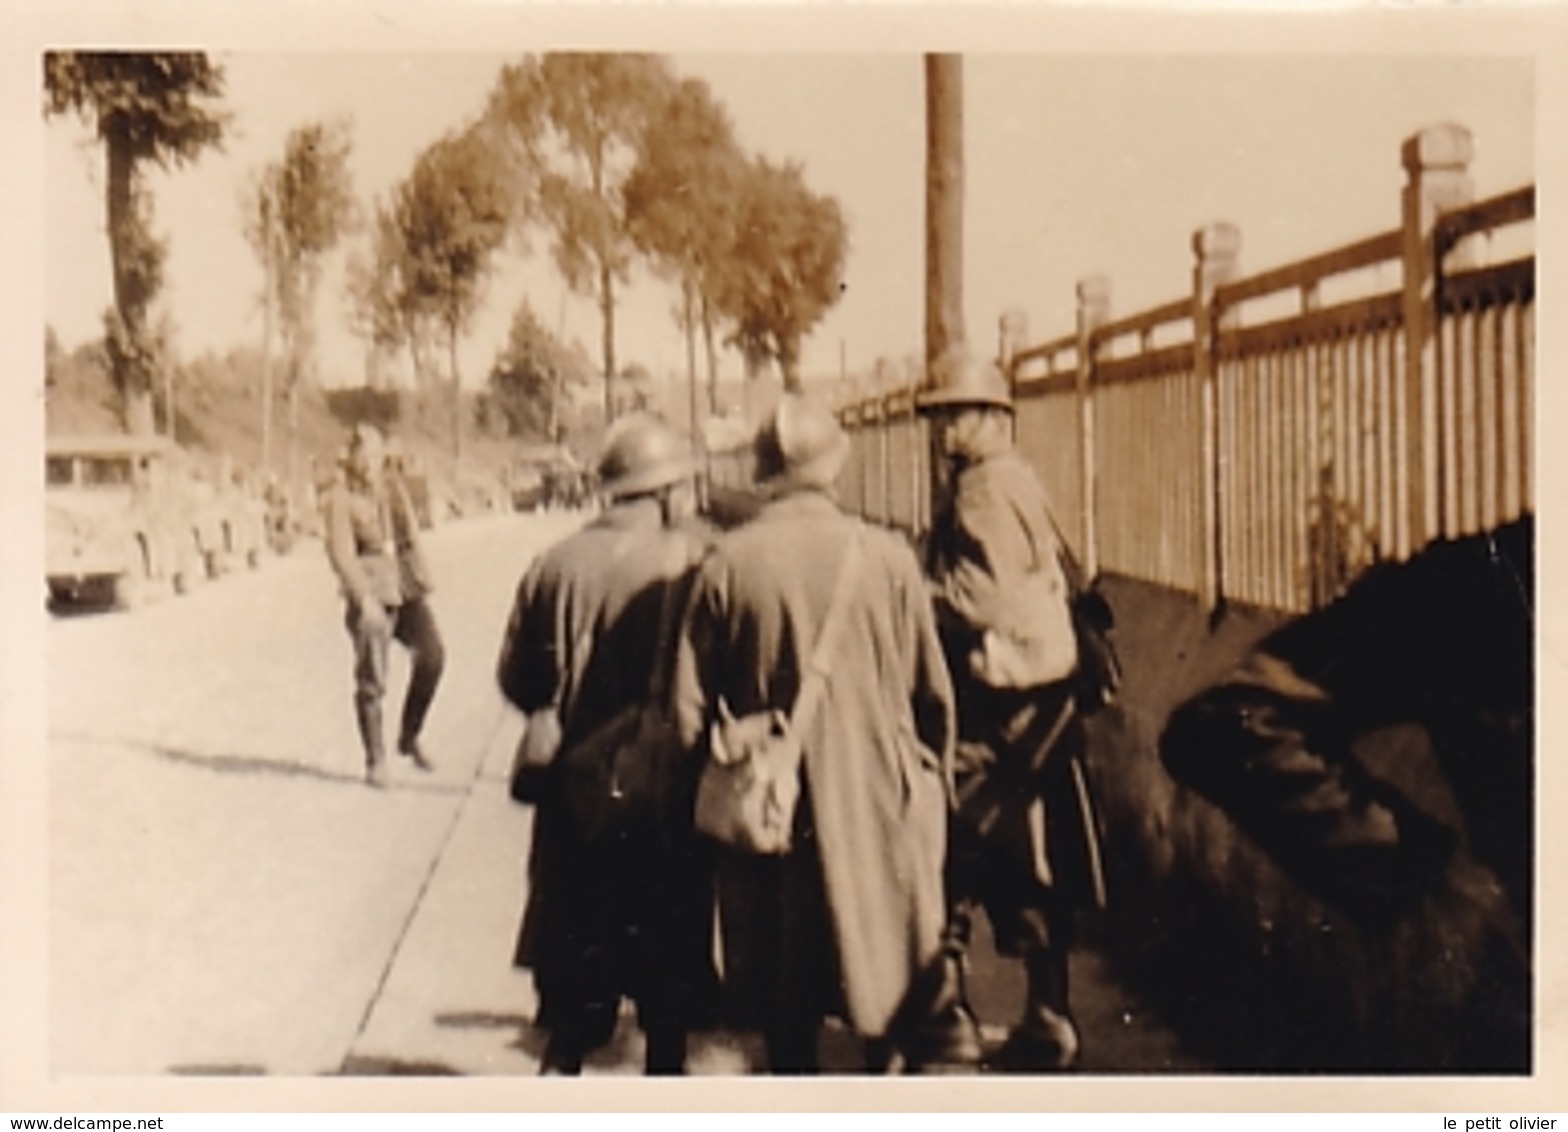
<point x="801" y="444"/>
<point x="961" y="379"/>
<point x="641" y="454"/>
<point x="365" y="446"/>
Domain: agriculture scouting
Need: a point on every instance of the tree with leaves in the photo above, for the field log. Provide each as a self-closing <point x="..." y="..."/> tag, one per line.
<point x="532" y="377"/>
<point x="785" y="269"/>
<point x="683" y="207"/>
<point x="384" y="310"/>
<point x="144" y="107"/>
<point x="298" y="208"/>
<point x="581" y="119"/>
<point x="451" y="215"/>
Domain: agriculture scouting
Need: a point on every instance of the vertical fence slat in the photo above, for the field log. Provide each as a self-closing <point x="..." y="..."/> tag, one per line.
<point x="1303" y="460"/>
<point x="1512" y="434"/>
<point x="1527" y="389"/>
<point x="1489" y="389"/>
<point x="1448" y="428"/>
<point x="1468" y="405"/>
<point x="1360" y="440"/>
<point x="1256" y="530"/>
<point x="1274" y="515"/>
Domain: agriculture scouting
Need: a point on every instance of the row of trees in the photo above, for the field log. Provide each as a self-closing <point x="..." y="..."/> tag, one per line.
<point x="614" y="159"/>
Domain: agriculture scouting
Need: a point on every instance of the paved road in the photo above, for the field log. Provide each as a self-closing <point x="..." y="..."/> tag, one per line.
<point x="226" y="897"/>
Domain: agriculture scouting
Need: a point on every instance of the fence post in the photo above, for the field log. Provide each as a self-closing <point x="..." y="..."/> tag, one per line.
<point x="1215" y="247"/>
<point x="1436" y="178"/>
<point x="1094" y="311"/>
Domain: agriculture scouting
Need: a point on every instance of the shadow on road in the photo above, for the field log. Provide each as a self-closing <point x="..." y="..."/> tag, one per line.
<point x="257" y="765"/>
<point x="219" y="1070"/>
<point x="355" y="1066"/>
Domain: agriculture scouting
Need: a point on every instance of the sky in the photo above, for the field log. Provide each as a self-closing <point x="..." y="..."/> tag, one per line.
<point x="1075" y="164"/>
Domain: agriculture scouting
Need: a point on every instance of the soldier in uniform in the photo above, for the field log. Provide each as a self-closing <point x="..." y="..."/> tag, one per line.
<point x="374" y="546"/>
<point x="1024" y="840"/>
<point x="629" y="917"/>
<point x="849" y="919"/>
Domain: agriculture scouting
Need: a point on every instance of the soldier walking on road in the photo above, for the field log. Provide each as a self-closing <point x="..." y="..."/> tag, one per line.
<point x="374" y="546"/>
<point x="1024" y="841"/>
<point x="625" y="915"/>
<point x="847" y="920"/>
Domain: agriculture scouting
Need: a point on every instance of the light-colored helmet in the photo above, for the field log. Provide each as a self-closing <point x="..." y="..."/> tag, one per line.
<point x="642" y="454"/>
<point x="960" y="378"/>
<point x="801" y="444"/>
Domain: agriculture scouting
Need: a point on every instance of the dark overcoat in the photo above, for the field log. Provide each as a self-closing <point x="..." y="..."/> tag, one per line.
<point x="876" y="755"/>
<point x="995" y="529"/>
<point x="626" y="917"/>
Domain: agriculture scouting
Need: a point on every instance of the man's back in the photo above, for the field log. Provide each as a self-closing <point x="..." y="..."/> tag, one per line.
<point x="588" y="613"/>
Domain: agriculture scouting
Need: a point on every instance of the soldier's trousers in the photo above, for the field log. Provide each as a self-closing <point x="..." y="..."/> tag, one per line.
<point x="413" y="625"/>
<point x="1020" y="844"/>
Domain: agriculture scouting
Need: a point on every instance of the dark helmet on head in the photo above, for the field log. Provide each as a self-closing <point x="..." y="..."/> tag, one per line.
<point x="642" y="454"/>
<point x="961" y="379"/>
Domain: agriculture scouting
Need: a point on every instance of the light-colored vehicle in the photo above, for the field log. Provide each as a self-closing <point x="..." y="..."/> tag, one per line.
<point x="545" y="477"/>
<point x="231" y="524"/>
<point x="120" y="525"/>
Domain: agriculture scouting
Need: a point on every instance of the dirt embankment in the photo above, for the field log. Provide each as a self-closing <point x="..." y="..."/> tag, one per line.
<point x="1321" y="831"/>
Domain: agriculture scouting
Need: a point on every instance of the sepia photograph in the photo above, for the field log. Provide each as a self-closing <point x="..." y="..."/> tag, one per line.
<point x="959" y="553"/>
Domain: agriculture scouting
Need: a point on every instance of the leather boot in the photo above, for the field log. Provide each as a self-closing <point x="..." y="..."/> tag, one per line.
<point x="368" y="715"/>
<point x="1045" y="1038"/>
<point x="948" y="1037"/>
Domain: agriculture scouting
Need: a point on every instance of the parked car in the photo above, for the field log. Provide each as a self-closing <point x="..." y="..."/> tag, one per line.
<point x="120" y="524"/>
<point x="545" y="476"/>
<point x="231" y="524"/>
<point x="527" y="488"/>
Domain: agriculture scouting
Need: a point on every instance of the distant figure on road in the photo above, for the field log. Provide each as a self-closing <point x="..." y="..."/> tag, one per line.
<point x="374" y="546"/>
<point x="848" y="919"/>
<point x="1025" y="842"/>
<point x="619" y="916"/>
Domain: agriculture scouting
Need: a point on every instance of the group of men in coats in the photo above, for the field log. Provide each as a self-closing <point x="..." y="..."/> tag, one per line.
<point x="929" y="787"/>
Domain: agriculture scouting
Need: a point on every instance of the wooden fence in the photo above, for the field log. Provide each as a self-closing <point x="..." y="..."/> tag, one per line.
<point x="1223" y="447"/>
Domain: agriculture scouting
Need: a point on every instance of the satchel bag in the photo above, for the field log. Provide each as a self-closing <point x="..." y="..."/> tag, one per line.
<point x="616" y="777"/>
<point x="750" y="785"/>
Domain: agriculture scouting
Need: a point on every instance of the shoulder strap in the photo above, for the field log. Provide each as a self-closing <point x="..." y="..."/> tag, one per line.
<point x="1072" y="569"/>
<point x="821" y="662"/>
<point x="664" y="639"/>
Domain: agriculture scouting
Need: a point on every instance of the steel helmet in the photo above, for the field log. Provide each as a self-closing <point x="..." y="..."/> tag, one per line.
<point x="960" y="379"/>
<point x="642" y="454"/>
<point x="801" y="444"/>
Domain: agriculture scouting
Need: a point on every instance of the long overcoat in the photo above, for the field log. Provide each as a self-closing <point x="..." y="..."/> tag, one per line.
<point x="877" y="753"/>
<point x="996" y="528"/>
<point x="600" y="920"/>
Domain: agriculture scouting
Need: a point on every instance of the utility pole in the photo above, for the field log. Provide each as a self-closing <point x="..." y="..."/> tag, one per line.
<point x="944" y="230"/>
<point x="944" y="204"/>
